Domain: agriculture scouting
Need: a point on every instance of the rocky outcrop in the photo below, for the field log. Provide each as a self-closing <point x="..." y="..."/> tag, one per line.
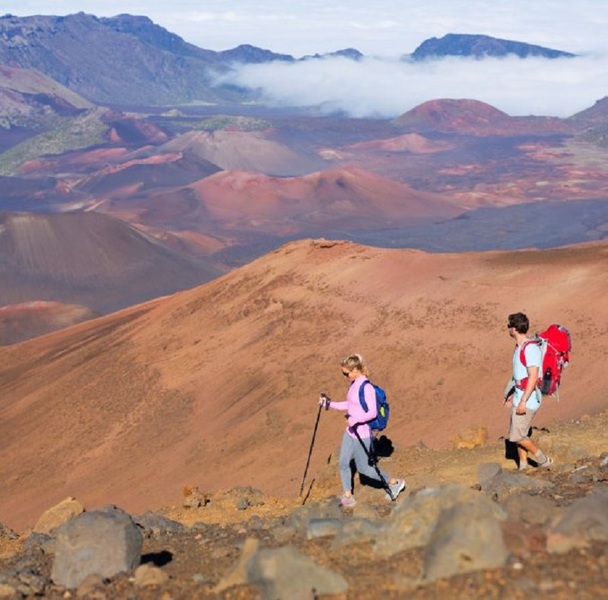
<point x="439" y="536"/>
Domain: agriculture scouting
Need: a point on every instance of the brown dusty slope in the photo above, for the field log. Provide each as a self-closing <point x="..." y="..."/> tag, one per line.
<point x="20" y="322"/>
<point x="255" y="151"/>
<point x="89" y="259"/>
<point x="217" y="386"/>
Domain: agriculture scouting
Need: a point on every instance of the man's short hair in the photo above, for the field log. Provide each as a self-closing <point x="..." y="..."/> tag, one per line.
<point x="519" y="321"/>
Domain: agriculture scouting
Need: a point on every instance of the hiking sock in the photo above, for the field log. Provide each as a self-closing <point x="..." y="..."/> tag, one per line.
<point x="523" y="465"/>
<point x="540" y="457"/>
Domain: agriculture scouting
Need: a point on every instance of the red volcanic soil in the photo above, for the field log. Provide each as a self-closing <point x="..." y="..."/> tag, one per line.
<point x="217" y="386"/>
<point x="409" y="142"/>
<point x="326" y="177"/>
<point x="20" y="322"/>
<point x="476" y="118"/>
<point x="338" y="199"/>
<point x="146" y="172"/>
<point x="80" y="161"/>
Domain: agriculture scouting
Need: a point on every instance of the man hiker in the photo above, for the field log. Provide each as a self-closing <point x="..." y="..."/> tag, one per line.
<point x="525" y="397"/>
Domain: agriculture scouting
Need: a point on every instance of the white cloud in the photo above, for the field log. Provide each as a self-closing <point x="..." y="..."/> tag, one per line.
<point x="385" y="28"/>
<point x="387" y="88"/>
<point x="211" y="17"/>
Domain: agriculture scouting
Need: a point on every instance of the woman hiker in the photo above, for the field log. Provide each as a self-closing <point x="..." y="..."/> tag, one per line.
<point x="353" y="367"/>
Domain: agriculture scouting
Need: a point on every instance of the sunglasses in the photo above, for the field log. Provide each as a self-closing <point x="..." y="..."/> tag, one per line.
<point x="345" y="373"/>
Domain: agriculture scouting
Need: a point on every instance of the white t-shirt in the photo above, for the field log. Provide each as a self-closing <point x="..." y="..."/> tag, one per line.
<point x="533" y="359"/>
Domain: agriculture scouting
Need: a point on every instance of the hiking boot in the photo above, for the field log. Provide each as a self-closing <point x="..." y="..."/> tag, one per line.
<point x="547" y="463"/>
<point x="396" y="489"/>
<point x="347" y="501"/>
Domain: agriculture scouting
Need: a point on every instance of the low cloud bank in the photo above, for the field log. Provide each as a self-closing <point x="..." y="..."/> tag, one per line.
<point x="386" y="88"/>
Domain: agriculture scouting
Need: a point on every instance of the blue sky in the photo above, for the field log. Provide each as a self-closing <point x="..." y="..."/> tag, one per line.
<point x="383" y="30"/>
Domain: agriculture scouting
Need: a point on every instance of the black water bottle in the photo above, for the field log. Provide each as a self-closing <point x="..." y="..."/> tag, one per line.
<point x="546" y="383"/>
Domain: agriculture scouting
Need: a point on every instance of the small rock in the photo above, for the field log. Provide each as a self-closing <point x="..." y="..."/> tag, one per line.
<point x="585" y="520"/>
<point x="7" y="591"/>
<point x="467" y="537"/>
<point x="283" y="534"/>
<point x="39" y="542"/>
<point x="506" y="483"/>
<point x="255" y="523"/>
<point x="105" y="542"/>
<point x="155" y="524"/>
<point x="7" y="533"/>
<point x="486" y="471"/>
<point x="302" y="515"/>
<point x="57" y="515"/>
<point x="523" y="539"/>
<point x="89" y="586"/>
<point x="286" y="573"/>
<point x="238" y="573"/>
<point x="242" y="504"/>
<point x="323" y="528"/>
<point x="356" y="530"/>
<point x="147" y="575"/>
<point x="192" y="497"/>
<point x="32" y="583"/>
<point x="533" y="510"/>
<point x="473" y="438"/>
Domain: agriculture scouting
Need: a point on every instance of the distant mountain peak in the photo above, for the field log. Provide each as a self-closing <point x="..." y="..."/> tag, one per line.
<point x="350" y="53"/>
<point x="246" y="53"/>
<point x="481" y="46"/>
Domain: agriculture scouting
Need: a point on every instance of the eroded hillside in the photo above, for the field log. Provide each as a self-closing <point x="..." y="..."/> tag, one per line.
<point x="217" y="386"/>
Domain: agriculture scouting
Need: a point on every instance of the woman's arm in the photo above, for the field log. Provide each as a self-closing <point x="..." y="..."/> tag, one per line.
<point x="327" y="402"/>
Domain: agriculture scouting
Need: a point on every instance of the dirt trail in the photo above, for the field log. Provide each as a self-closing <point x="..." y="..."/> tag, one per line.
<point x="421" y="467"/>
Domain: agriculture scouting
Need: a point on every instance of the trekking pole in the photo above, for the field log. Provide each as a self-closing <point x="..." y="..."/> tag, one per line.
<point x="373" y="462"/>
<point x="312" y="443"/>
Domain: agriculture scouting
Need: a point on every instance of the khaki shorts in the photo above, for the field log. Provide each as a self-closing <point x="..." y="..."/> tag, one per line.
<point x="520" y="425"/>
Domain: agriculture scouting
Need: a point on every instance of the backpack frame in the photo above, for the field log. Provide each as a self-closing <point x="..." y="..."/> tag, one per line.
<point x="555" y="345"/>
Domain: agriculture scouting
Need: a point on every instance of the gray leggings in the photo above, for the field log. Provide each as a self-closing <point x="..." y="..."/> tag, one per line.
<point x="351" y="449"/>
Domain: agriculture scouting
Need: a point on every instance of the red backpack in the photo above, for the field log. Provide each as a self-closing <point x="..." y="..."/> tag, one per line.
<point x="555" y="345"/>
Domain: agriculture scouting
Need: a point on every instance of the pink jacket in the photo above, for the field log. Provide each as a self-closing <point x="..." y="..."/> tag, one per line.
<point x="355" y="411"/>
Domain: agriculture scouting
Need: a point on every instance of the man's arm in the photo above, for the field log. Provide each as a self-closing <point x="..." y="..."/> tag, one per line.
<point x="509" y="390"/>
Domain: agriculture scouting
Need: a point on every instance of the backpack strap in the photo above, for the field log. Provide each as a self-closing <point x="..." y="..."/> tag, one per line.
<point x="522" y="351"/>
<point x="362" y="395"/>
<point x="522" y="383"/>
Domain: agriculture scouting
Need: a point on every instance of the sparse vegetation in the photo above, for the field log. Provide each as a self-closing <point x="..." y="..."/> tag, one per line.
<point x="64" y="134"/>
<point x="223" y="122"/>
<point x="597" y="136"/>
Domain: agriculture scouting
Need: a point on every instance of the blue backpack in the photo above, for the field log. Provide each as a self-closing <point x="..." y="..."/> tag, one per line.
<point x="381" y="420"/>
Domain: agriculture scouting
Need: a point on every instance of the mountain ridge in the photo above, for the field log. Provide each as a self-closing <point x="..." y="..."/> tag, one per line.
<point x="164" y="69"/>
<point x="481" y="46"/>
